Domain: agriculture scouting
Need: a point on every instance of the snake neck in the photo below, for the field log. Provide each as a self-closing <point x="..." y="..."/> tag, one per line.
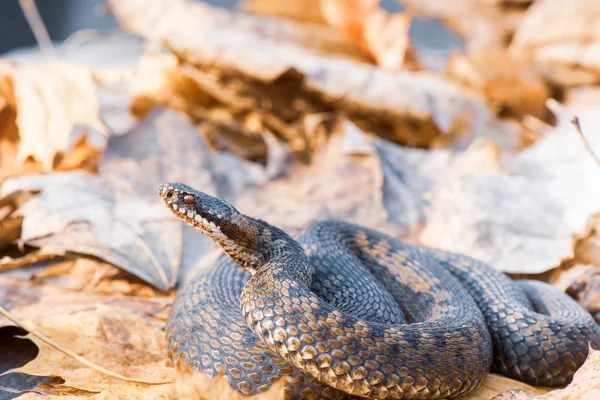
<point x="264" y="249"/>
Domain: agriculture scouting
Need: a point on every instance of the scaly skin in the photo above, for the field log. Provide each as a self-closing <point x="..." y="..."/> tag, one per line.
<point x="321" y="310"/>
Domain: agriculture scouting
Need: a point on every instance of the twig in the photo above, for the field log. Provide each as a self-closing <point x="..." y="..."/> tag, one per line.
<point x="71" y="354"/>
<point x="37" y="27"/>
<point x="575" y="121"/>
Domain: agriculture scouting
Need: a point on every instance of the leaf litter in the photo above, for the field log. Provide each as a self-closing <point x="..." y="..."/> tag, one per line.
<point x="316" y="116"/>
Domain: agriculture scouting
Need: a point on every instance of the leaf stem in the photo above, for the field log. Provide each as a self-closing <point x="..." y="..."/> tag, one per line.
<point x="588" y="146"/>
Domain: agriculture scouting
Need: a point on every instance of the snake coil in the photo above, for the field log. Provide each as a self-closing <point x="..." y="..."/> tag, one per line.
<point x="346" y="311"/>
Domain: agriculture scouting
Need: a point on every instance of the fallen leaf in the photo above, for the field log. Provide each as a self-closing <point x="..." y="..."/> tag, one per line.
<point x="511" y="223"/>
<point x="79" y="215"/>
<point x="417" y="105"/>
<point x="486" y="25"/>
<point x="9" y="135"/>
<point x="381" y="35"/>
<point x="306" y="11"/>
<point x="569" y="47"/>
<point x="585" y="384"/>
<point x="522" y="220"/>
<point x="486" y="72"/>
<point x="117" y="332"/>
<point x="56" y="105"/>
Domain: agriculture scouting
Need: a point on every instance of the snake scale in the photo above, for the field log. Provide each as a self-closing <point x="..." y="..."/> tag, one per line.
<point x="349" y="312"/>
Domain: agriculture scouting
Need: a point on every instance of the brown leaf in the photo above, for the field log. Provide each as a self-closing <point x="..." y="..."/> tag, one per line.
<point x="116" y="332"/>
<point x="486" y="72"/>
<point x="486" y="25"/>
<point x="585" y="385"/>
<point x="9" y="134"/>
<point x="56" y="105"/>
<point x="569" y="46"/>
<point x="381" y="35"/>
<point x="421" y="104"/>
<point x="305" y="11"/>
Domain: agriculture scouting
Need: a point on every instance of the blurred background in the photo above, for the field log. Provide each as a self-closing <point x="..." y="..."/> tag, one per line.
<point x="63" y="17"/>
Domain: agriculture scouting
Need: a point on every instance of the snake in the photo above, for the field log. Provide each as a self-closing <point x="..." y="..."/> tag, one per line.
<point x="347" y="311"/>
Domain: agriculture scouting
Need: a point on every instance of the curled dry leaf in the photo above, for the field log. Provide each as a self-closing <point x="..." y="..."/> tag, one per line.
<point x="569" y="46"/>
<point x="9" y="135"/>
<point x="585" y="384"/>
<point x="485" y="24"/>
<point x="381" y="35"/>
<point x="417" y="105"/>
<point x="305" y="11"/>
<point x="486" y="72"/>
<point x="58" y="114"/>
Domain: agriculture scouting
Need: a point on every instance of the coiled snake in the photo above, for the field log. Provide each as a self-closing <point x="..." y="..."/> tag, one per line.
<point x="348" y="311"/>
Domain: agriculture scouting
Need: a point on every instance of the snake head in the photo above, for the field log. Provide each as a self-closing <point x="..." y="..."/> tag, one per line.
<point x="206" y="213"/>
<point x="235" y="233"/>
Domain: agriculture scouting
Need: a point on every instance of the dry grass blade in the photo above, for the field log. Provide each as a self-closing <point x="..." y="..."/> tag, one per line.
<point x="69" y="353"/>
<point x="37" y="27"/>
<point x="588" y="146"/>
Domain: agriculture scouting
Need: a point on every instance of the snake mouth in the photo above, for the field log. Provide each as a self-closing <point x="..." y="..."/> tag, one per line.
<point x="198" y="209"/>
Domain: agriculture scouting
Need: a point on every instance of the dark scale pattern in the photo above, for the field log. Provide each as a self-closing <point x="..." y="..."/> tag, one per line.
<point x="330" y="311"/>
<point x="539" y="334"/>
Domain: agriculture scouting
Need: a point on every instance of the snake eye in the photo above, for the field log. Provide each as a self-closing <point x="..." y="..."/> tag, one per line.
<point x="188" y="199"/>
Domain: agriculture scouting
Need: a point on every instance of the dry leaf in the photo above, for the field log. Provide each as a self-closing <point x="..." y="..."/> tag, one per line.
<point x="509" y="222"/>
<point x="486" y="25"/>
<point x="585" y="385"/>
<point x="74" y="212"/>
<point x="486" y="72"/>
<point x="56" y="105"/>
<point x="568" y="46"/>
<point x="418" y="105"/>
<point x="9" y="135"/>
<point x="305" y="11"/>
<point x="381" y="35"/>
<point x="524" y="221"/>
<point x="118" y="332"/>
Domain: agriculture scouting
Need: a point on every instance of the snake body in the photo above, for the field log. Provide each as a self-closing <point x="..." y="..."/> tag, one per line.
<point x="347" y="311"/>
